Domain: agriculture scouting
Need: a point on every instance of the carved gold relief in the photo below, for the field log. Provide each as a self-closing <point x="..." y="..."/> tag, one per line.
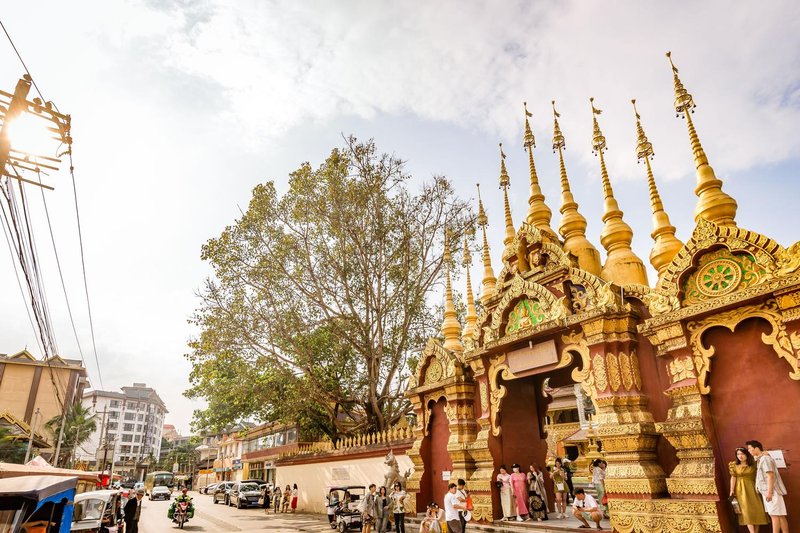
<point x="613" y="371"/>
<point x="484" y="392"/>
<point x="637" y="376"/>
<point x="626" y="371"/>
<point x="681" y="368"/>
<point x="599" y="371"/>
<point x="498" y="368"/>
<point x="664" y="516"/>
<point x="778" y="339"/>
<point x="434" y="372"/>
<point x="574" y="342"/>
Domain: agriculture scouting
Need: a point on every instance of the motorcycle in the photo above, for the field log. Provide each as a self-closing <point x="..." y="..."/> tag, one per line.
<point x="181" y="513"/>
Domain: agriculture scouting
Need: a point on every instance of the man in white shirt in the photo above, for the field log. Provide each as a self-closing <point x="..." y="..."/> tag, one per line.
<point x="451" y="507"/>
<point x="770" y="485"/>
<point x="586" y="507"/>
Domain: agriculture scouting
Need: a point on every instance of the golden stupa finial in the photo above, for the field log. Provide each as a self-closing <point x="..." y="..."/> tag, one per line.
<point x="472" y="315"/>
<point x="489" y="282"/>
<point x="573" y="224"/>
<point x="622" y="265"/>
<point x="451" y="329"/>
<point x="505" y="182"/>
<point x="539" y="215"/>
<point x="665" y="244"/>
<point x="713" y="203"/>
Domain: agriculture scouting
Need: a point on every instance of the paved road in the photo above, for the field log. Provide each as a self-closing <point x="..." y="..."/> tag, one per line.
<point x="219" y="518"/>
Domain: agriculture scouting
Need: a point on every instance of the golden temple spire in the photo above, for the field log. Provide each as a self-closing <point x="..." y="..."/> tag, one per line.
<point x="622" y="265"/>
<point x="713" y="203"/>
<point x="573" y="224"/>
<point x="472" y="315"/>
<point x="451" y="329"/>
<point x="505" y="181"/>
<point x="489" y="282"/>
<point x="539" y="214"/>
<point x="665" y="244"/>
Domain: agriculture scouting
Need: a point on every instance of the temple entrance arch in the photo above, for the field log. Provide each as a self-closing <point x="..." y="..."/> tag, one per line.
<point x="433" y="452"/>
<point x="749" y="392"/>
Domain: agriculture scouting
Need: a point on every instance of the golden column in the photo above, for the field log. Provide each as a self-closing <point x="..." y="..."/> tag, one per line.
<point x="489" y="282"/>
<point x="539" y="215"/>
<point x="451" y="329"/>
<point x="622" y="266"/>
<point x="713" y="203"/>
<point x="573" y="224"/>
<point x="665" y="243"/>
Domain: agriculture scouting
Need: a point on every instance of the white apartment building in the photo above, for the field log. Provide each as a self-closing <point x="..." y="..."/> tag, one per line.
<point x="129" y="428"/>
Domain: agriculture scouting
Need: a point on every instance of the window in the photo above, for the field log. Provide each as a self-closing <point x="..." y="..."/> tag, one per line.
<point x="129" y="416"/>
<point x="138" y="428"/>
<point x="113" y="414"/>
<point x="137" y="438"/>
<point x="135" y="449"/>
<point x="114" y="403"/>
<point x="127" y="438"/>
<point x="132" y="406"/>
<point x="140" y="417"/>
<point x="291" y="436"/>
<point x="124" y="449"/>
<point x="112" y="425"/>
<point x="127" y="427"/>
<point x="280" y="439"/>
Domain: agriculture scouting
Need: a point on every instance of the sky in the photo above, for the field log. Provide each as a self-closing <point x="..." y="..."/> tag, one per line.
<point x="179" y="108"/>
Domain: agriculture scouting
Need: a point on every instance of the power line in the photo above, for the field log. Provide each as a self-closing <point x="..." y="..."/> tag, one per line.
<point x="10" y="40"/>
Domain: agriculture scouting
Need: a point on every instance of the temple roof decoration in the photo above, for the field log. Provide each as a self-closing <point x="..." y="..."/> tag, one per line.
<point x="488" y="283"/>
<point x="451" y="329"/>
<point x="622" y="265"/>
<point x="665" y="243"/>
<point x="713" y="203"/>
<point x="505" y="182"/>
<point x="539" y="214"/>
<point x="472" y="314"/>
<point x="573" y="224"/>
<point x="435" y="365"/>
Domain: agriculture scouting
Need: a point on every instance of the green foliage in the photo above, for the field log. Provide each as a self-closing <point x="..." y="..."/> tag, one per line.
<point x="12" y="449"/>
<point x="79" y="426"/>
<point x="319" y="296"/>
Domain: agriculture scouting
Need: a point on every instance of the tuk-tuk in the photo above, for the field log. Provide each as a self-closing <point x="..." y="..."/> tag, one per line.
<point x="343" y="505"/>
<point x="37" y="504"/>
<point x="98" y="510"/>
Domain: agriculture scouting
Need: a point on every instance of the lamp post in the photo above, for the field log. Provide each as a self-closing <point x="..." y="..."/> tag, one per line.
<point x="30" y="438"/>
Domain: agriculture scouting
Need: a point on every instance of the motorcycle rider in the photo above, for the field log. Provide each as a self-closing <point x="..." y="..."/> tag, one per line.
<point x="184" y="497"/>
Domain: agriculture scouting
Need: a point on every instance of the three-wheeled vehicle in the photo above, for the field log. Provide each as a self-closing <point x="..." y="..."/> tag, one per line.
<point x="98" y="511"/>
<point x="37" y="504"/>
<point x="345" y="502"/>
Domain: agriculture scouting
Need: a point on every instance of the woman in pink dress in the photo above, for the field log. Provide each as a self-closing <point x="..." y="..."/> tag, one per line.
<point x="519" y="482"/>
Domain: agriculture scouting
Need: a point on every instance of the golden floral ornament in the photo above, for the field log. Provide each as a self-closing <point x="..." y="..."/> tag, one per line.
<point x="498" y="368"/>
<point x="778" y="339"/>
<point x="626" y="371"/>
<point x="575" y="343"/>
<point x="548" y="306"/>
<point x="437" y="364"/>
<point x="664" y="516"/>
<point x="434" y="372"/>
<point x="614" y="377"/>
<point x="599" y="371"/>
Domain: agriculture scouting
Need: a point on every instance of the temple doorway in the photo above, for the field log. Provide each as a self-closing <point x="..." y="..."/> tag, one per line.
<point x="438" y="463"/>
<point x="752" y="398"/>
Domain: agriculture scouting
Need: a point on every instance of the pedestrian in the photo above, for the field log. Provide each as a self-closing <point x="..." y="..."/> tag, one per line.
<point x="295" y="496"/>
<point x="398" y="497"/>
<point x="461" y="491"/>
<point x="133" y="509"/>
<point x="770" y="485"/>
<point x="568" y="471"/>
<point x="276" y="498"/>
<point x="267" y="496"/>
<point x="503" y="482"/>
<point x="559" y="477"/>
<point x="331" y="505"/>
<point x="382" y="509"/>
<point x="432" y="521"/>
<point x="367" y="508"/>
<point x="287" y="498"/>
<point x="586" y="507"/>
<point x="743" y="488"/>
<point x="519" y="482"/>
<point x="537" y="497"/>
<point x="599" y="481"/>
<point x="451" y="508"/>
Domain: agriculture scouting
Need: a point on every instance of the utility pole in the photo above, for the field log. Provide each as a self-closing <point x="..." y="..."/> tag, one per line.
<point x="30" y="438"/>
<point x="15" y="109"/>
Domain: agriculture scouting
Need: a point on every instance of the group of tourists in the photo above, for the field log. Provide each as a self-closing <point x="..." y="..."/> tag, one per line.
<point x="757" y="489"/>
<point x="523" y="495"/>
<point x="280" y="500"/>
<point x="378" y="505"/>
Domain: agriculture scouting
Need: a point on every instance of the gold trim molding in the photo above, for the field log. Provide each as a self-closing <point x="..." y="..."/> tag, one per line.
<point x="785" y="346"/>
<point x="664" y="516"/>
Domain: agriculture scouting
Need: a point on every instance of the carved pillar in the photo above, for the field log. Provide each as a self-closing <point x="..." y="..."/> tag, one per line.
<point x="460" y="413"/>
<point x="413" y="482"/>
<point x="480" y="479"/>
<point x="625" y="425"/>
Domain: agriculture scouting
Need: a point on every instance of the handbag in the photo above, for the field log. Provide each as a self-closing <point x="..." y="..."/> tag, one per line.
<point x="498" y="484"/>
<point x="468" y="504"/>
<point x="604" y="501"/>
<point x="735" y="504"/>
<point x="560" y="487"/>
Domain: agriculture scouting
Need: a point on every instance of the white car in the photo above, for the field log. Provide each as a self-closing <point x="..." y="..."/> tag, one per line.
<point x="160" y="493"/>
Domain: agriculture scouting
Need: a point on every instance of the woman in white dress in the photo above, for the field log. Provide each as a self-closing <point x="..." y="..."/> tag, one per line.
<point x="506" y="494"/>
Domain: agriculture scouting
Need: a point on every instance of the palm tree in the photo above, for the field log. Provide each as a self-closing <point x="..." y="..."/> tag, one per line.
<point x="79" y="425"/>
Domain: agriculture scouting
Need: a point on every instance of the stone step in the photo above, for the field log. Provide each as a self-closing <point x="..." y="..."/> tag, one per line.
<point x="548" y="526"/>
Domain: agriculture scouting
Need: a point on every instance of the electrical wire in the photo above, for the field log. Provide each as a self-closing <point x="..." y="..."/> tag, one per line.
<point x="10" y="40"/>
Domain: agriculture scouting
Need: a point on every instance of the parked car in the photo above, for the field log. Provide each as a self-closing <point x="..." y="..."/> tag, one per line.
<point x="97" y="510"/>
<point x="209" y="489"/>
<point x="160" y="493"/>
<point x="138" y="485"/>
<point x="244" y="494"/>
<point x="221" y="492"/>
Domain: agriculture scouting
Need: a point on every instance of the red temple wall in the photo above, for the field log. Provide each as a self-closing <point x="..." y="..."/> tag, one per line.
<point x="752" y="397"/>
<point x="436" y="458"/>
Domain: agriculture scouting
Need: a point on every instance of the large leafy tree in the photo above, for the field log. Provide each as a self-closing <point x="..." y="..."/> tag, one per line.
<point x="12" y="448"/>
<point x="80" y="423"/>
<point x="320" y="296"/>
